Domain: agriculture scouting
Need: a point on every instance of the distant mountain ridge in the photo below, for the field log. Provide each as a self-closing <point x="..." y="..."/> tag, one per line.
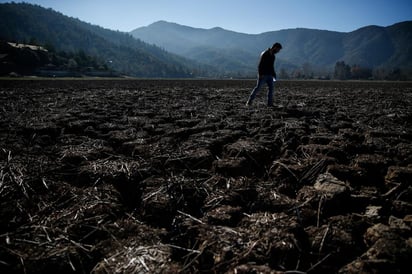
<point x="23" y="22"/>
<point x="165" y="49"/>
<point x="370" y="46"/>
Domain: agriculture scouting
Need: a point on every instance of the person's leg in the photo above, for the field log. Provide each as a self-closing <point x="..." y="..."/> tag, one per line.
<point x="269" y="81"/>
<point x="255" y="90"/>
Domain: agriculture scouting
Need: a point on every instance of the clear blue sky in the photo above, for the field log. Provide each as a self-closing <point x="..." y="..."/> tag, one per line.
<point x="247" y="16"/>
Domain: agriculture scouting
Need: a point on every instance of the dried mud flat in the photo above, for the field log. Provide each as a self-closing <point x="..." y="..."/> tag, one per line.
<point x="179" y="176"/>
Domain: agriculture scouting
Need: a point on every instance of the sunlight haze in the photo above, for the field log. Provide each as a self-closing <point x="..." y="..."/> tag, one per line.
<point x="244" y="16"/>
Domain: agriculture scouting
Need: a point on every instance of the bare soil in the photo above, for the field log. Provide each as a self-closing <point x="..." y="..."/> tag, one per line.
<point x="168" y="176"/>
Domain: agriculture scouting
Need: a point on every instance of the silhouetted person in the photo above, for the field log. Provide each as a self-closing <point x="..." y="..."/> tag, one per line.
<point x="266" y="73"/>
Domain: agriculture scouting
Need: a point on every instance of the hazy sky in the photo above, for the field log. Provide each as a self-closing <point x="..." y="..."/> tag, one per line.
<point x="247" y="16"/>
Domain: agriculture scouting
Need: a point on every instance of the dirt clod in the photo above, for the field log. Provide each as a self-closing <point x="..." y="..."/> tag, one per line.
<point x="174" y="176"/>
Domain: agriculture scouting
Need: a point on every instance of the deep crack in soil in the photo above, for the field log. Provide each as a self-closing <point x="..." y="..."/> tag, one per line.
<point x="166" y="176"/>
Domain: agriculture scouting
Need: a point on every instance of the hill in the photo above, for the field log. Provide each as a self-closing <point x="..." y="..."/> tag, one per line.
<point x="18" y="59"/>
<point x="371" y="46"/>
<point x="26" y="23"/>
<point x="165" y="49"/>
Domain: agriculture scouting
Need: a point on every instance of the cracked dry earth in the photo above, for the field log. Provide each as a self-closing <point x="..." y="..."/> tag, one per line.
<point x="167" y="176"/>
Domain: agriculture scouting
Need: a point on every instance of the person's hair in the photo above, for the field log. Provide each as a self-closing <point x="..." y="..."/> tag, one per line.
<point x="277" y="45"/>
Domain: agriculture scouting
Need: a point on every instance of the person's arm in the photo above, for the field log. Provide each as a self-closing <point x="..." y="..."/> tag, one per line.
<point x="261" y="66"/>
<point x="273" y="67"/>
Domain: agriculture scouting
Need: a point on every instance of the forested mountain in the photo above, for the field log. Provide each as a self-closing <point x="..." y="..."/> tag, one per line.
<point x="303" y="49"/>
<point x="165" y="49"/>
<point x="25" y="23"/>
<point x="17" y="59"/>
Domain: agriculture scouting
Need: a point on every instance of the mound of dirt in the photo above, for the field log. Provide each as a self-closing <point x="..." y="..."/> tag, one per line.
<point x="168" y="176"/>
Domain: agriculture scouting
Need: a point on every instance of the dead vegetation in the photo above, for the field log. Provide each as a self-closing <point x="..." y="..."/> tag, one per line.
<point x="179" y="177"/>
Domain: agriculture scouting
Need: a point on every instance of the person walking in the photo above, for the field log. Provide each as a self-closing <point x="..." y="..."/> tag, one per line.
<point x="266" y="73"/>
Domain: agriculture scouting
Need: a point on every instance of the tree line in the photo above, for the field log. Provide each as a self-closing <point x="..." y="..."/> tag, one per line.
<point x="31" y="59"/>
<point x="344" y="71"/>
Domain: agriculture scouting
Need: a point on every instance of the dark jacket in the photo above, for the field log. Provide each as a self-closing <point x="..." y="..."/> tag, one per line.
<point x="266" y="63"/>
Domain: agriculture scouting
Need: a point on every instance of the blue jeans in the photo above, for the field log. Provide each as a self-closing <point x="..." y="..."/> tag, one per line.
<point x="268" y="79"/>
